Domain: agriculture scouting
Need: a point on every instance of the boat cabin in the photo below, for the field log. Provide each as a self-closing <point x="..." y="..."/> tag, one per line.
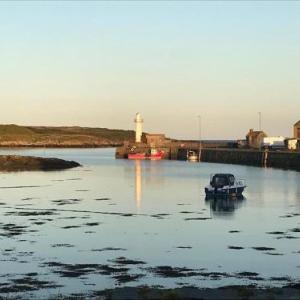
<point x="221" y="180"/>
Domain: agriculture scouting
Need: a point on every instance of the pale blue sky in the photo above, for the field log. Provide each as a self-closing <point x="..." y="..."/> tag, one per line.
<point x="97" y="63"/>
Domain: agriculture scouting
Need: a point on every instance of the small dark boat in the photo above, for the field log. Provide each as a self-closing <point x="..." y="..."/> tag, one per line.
<point x="225" y="184"/>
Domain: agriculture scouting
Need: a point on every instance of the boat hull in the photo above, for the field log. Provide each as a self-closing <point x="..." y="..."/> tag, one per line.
<point x="156" y="156"/>
<point x="232" y="191"/>
<point x="193" y="158"/>
<point x="153" y="156"/>
<point x="137" y="156"/>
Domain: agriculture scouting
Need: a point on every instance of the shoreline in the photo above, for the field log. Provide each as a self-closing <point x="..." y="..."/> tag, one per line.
<point x="238" y="292"/>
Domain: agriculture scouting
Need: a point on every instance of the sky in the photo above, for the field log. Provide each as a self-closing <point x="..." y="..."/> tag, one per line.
<point x="97" y="63"/>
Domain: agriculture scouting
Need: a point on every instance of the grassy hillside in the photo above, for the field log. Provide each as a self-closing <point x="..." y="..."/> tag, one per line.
<point x="14" y="130"/>
<point x="111" y="134"/>
<point x="40" y="136"/>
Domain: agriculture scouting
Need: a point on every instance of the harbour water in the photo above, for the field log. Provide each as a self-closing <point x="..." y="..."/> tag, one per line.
<point x="129" y="223"/>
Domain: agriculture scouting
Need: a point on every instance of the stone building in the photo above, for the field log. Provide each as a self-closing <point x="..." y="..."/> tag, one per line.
<point x="155" y="140"/>
<point x="255" y="138"/>
<point x="297" y="130"/>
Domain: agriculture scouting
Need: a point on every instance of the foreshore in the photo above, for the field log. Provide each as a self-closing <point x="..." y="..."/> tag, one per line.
<point x="190" y="293"/>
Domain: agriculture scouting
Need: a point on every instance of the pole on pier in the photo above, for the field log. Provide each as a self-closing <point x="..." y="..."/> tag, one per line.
<point x="200" y="135"/>
<point x="265" y="157"/>
<point x="259" y="120"/>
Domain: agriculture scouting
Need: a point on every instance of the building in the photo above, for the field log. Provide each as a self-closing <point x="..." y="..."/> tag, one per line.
<point x="273" y="142"/>
<point x="291" y="144"/>
<point x="297" y="130"/>
<point x="241" y="143"/>
<point x="155" y="140"/>
<point x="255" y="138"/>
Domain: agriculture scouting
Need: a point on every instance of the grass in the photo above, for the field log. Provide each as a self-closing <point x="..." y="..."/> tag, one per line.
<point x="42" y="136"/>
<point x="15" y="130"/>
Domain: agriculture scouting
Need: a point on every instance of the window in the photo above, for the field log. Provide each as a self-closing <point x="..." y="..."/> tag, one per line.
<point x="231" y="180"/>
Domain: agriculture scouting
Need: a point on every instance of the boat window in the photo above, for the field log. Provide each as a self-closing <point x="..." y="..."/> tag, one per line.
<point x="231" y="180"/>
<point x="219" y="181"/>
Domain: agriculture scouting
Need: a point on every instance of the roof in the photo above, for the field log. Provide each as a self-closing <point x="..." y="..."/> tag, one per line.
<point x="223" y="175"/>
<point x="256" y="133"/>
<point x="297" y="124"/>
<point x="155" y="134"/>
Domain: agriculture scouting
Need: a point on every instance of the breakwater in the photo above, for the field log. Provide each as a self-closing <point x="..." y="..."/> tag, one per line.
<point x="273" y="159"/>
<point x="250" y="157"/>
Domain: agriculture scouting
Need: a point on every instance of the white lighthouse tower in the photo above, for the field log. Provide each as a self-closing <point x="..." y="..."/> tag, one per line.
<point x="138" y="127"/>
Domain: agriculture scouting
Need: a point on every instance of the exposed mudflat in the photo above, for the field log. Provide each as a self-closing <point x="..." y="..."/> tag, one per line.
<point x="193" y="293"/>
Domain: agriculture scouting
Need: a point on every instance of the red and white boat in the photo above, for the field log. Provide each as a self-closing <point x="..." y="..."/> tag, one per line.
<point x="154" y="155"/>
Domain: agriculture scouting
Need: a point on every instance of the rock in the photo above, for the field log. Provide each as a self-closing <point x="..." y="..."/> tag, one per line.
<point x="10" y="163"/>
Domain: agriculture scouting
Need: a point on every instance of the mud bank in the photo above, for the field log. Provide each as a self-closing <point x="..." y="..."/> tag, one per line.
<point x="12" y="163"/>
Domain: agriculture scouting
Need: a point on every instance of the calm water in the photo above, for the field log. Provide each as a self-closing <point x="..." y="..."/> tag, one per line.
<point x="150" y="211"/>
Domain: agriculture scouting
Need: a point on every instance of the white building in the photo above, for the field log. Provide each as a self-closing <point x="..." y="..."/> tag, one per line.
<point x="292" y="144"/>
<point x="273" y="142"/>
<point x="138" y="127"/>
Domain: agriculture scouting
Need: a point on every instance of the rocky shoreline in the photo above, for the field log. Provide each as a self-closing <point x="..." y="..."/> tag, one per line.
<point x="13" y="163"/>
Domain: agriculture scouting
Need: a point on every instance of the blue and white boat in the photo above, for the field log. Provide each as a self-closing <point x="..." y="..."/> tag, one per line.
<point x="225" y="184"/>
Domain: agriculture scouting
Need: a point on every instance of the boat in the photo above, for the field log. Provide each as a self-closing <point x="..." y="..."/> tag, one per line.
<point x="192" y="156"/>
<point x="136" y="156"/>
<point x="153" y="155"/>
<point x="225" y="184"/>
<point x="156" y="154"/>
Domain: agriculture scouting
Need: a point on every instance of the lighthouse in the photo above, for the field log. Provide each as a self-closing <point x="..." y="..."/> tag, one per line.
<point x="138" y="127"/>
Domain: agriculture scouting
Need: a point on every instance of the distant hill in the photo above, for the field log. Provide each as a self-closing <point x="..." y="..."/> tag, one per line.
<point x="41" y="136"/>
<point x="14" y="130"/>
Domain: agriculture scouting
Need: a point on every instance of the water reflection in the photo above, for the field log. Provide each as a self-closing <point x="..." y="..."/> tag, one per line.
<point x="147" y="176"/>
<point x="138" y="183"/>
<point x="224" y="206"/>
